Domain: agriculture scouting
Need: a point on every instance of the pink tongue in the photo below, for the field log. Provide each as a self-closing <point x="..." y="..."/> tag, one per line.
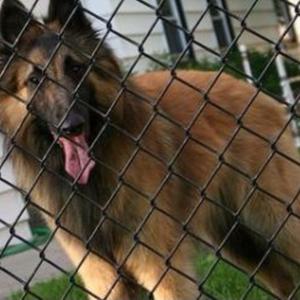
<point x="77" y="159"/>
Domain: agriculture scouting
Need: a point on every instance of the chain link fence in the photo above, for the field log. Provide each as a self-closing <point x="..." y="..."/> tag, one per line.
<point x="172" y="184"/>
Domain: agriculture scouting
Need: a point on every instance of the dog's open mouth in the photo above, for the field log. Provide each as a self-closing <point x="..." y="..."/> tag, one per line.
<point x="77" y="161"/>
<point x="73" y="139"/>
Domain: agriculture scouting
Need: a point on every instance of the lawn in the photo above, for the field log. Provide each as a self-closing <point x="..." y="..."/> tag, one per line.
<point x="224" y="283"/>
<point x="55" y="289"/>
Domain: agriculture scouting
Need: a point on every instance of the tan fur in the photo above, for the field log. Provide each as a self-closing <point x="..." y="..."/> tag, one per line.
<point x="104" y="281"/>
<point x="247" y="153"/>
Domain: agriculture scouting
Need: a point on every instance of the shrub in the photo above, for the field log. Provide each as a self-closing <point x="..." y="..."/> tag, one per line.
<point x="233" y="65"/>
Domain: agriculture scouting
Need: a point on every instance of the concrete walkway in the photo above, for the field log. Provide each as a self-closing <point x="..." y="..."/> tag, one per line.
<point x="24" y="264"/>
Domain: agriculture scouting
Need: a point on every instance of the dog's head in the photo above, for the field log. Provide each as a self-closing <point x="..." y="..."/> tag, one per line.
<point x="55" y="76"/>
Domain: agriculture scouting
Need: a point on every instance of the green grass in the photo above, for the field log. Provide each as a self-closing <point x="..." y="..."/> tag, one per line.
<point x="224" y="283"/>
<point x="54" y="289"/>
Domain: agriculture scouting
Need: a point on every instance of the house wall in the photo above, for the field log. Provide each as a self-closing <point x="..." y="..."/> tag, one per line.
<point x="297" y="21"/>
<point x="203" y="31"/>
<point x="11" y="205"/>
<point x="134" y="20"/>
<point x="262" y="19"/>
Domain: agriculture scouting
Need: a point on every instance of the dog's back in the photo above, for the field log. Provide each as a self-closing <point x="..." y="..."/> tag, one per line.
<point x="236" y="154"/>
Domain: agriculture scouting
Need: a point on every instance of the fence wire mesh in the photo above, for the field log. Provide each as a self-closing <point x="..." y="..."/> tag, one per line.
<point x="158" y="186"/>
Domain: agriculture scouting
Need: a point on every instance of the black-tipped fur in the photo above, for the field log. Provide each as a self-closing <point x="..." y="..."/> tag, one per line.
<point x="13" y="18"/>
<point x="68" y="12"/>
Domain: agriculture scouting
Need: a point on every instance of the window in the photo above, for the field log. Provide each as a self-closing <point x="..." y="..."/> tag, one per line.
<point x="172" y="11"/>
<point x="221" y="23"/>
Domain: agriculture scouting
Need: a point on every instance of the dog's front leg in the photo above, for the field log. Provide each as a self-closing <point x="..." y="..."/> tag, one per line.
<point x="100" y="278"/>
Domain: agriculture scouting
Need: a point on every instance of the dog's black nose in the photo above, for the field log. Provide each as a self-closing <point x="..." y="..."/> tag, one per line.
<point x="74" y="124"/>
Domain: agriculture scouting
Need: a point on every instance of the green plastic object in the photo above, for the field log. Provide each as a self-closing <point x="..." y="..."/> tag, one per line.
<point x="40" y="236"/>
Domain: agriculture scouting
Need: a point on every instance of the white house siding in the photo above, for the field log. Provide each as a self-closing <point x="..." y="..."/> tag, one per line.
<point x="11" y="205"/>
<point x="203" y="32"/>
<point x="297" y="20"/>
<point x="262" y="19"/>
<point x="134" y="21"/>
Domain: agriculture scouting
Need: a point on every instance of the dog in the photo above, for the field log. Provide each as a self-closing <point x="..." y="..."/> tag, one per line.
<point x="134" y="175"/>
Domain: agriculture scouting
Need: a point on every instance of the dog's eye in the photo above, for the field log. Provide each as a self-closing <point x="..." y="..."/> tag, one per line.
<point x="76" y="68"/>
<point x="34" y="80"/>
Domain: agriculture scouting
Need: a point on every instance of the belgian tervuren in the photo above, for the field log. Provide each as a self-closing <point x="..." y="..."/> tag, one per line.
<point x="135" y="173"/>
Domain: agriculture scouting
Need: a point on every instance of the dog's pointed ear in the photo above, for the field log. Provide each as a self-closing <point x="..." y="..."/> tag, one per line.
<point x="13" y="17"/>
<point x="70" y="12"/>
